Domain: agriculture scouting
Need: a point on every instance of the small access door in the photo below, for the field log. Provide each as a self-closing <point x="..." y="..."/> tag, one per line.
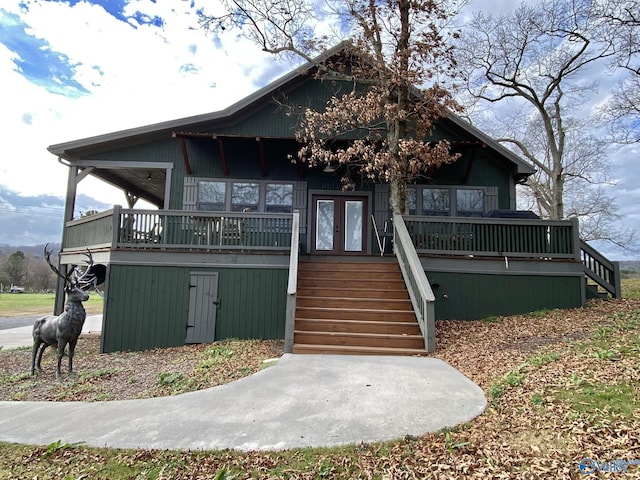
<point x="339" y="224"/>
<point x="203" y="307"/>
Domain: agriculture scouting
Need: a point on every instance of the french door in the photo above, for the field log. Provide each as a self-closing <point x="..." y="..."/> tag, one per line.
<point x="339" y="225"/>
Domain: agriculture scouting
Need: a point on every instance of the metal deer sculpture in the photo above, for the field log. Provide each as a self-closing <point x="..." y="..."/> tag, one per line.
<point x="64" y="329"/>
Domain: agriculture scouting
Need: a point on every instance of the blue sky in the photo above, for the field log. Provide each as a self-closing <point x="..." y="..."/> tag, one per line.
<point x="73" y="69"/>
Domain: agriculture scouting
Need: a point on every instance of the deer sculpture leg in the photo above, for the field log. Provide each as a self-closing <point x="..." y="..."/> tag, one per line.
<point x="72" y="349"/>
<point x="36" y="351"/>
<point x="43" y="347"/>
<point x="61" y="346"/>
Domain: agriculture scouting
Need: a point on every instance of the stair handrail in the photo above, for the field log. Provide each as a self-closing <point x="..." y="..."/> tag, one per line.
<point x="422" y="297"/>
<point x="292" y="283"/>
<point x="601" y="270"/>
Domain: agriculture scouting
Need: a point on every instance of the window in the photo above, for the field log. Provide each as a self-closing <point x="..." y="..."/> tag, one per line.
<point x="412" y="200"/>
<point x="470" y="203"/>
<point x="245" y="197"/>
<point x="250" y="196"/>
<point x="446" y="201"/>
<point x="212" y="196"/>
<point x="436" y="201"/>
<point x="279" y="198"/>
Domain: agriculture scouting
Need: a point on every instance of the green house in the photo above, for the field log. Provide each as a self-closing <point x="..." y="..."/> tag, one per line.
<point x="247" y="243"/>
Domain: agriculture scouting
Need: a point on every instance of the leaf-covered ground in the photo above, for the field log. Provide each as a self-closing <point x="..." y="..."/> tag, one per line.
<point x="130" y="375"/>
<point x="562" y="386"/>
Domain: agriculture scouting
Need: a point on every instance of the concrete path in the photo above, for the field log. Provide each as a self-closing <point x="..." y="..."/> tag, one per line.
<point x="301" y="401"/>
<point x="21" y="336"/>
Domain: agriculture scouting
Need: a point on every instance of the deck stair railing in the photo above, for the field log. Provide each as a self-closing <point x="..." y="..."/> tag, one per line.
<point x="420" y="292"/>
<point x="600" y="270"/>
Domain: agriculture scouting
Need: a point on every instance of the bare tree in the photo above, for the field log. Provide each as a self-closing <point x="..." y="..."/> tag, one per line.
<point x="395" y="46"/>
<point x="40" y="275"/>
<point x="622" y="111"/>
<point x="537" y="62"/>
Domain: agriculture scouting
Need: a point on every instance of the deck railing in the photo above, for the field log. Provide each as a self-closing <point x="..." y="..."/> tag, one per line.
<point x="95" y="230"/>
<point x="494" y="237"/>
<point x="415" y="279"/>
<point x="178" y="229"/>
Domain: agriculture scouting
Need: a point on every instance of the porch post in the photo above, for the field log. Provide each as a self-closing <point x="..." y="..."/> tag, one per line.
<point x="290" y="313"/>
<point x="577" y="249"/>
<point x="69" y="207"/>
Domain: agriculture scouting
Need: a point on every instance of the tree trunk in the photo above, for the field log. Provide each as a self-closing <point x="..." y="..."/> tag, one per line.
<point x="398" y="169"/>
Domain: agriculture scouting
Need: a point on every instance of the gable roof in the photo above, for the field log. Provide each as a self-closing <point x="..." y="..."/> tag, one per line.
<point x="73" y="149"/>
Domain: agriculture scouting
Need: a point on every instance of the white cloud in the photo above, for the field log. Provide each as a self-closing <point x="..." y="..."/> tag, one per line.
<point x="134" y="76"/>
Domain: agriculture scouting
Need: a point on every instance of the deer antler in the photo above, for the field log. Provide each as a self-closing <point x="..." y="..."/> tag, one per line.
<point x="81" y="278"/>
<point x="85" y="280"/>
<point x="47" y="257"/>
<point x="88" y="279"/>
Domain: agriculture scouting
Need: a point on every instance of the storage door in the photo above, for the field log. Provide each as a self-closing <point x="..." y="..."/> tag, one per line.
<point x="203" y="306"/>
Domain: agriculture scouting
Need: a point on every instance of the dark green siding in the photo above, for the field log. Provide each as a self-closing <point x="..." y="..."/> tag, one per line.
<point x="470" y="296"/>
<point x="253" y="303"/>
<point x="148" y="306"/>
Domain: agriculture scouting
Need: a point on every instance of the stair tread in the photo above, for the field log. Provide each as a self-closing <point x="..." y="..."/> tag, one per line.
<point x="355" y="289"/>
<point x="358" y="334"/>
<point x="361" y="349"/>
<point x="363" y="310"/>
<point x="357" y="299"/>
<point x="373" y="264"/>
<point x="358" y="322"/>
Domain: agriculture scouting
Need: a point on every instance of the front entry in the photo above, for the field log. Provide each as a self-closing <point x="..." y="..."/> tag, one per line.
<point x="339" y="225"/>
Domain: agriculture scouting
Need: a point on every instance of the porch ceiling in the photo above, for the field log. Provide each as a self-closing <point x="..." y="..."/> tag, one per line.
<point x="145" y="183"/>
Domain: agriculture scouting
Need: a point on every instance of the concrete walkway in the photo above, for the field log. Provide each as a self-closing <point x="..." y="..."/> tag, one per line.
<point x="21" y="336"/>
<point x="301" y="401"/>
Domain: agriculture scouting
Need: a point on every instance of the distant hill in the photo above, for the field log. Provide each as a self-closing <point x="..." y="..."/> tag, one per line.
<point x="29" y="250"/>
<point x="36" y="220"/>
<point x="630" y="269"/>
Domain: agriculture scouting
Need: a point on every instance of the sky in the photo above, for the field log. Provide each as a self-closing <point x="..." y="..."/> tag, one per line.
<point x="73" y="69"/>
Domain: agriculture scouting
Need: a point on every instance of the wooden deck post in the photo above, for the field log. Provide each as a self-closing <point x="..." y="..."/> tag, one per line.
<point x="292" y="284"/>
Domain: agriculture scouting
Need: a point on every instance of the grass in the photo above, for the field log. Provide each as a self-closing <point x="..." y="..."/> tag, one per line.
<point x="631" y="288"/>
<point x="23" y="304"/>
<point x="618" y="400"/>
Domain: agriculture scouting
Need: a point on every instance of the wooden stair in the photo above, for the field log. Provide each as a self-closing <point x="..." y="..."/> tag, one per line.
<point x="354" y="308"/>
